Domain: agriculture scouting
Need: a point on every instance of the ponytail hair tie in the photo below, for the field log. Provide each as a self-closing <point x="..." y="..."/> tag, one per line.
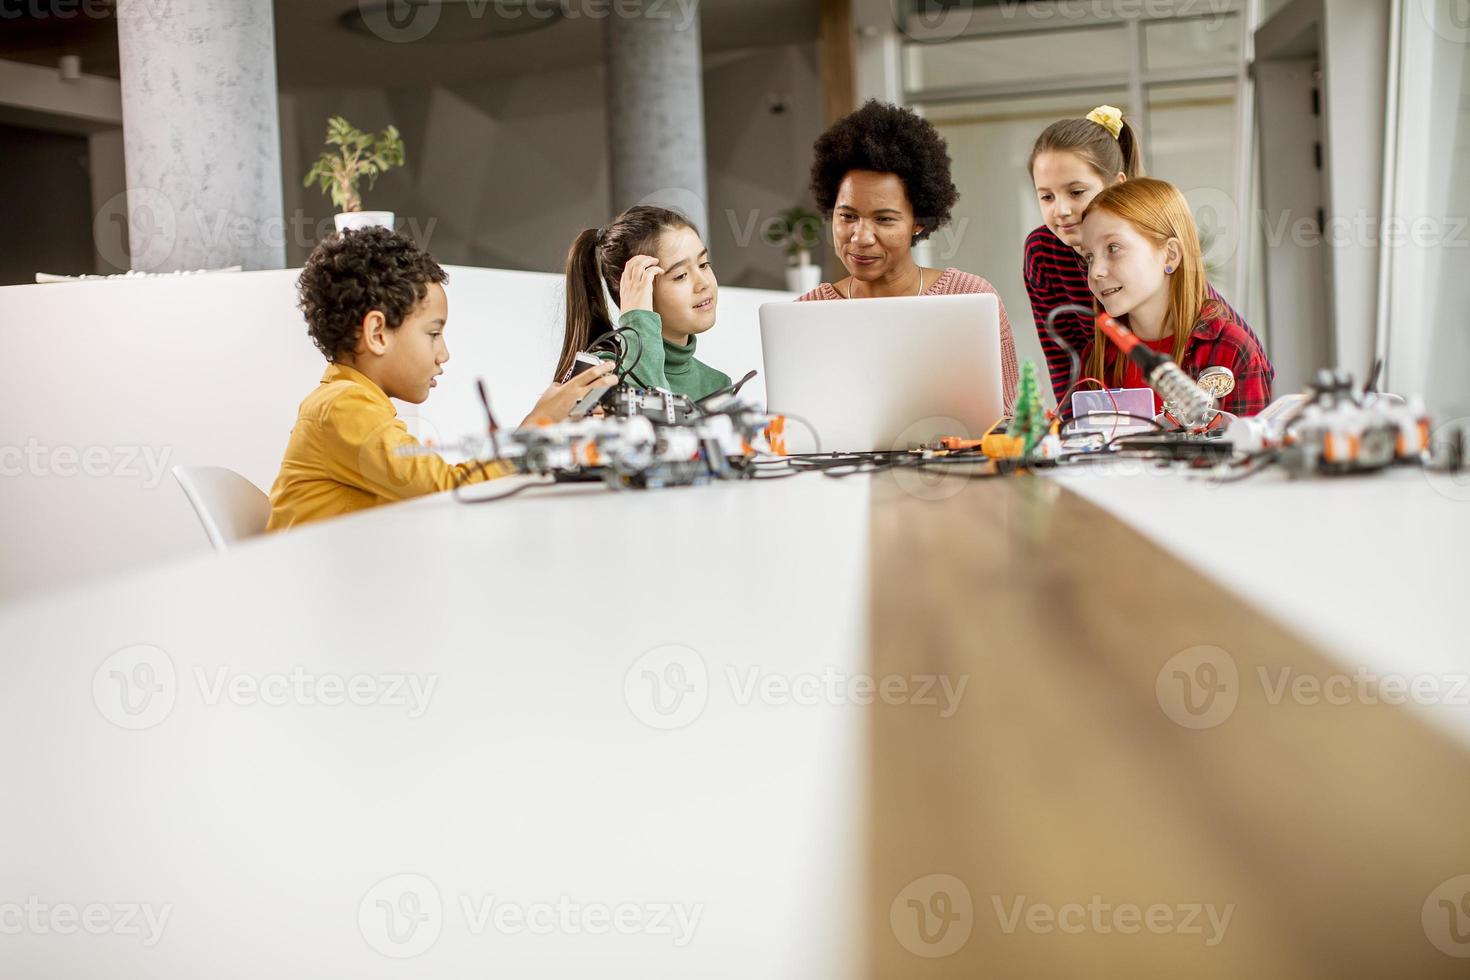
<point x="1109" y="118"/>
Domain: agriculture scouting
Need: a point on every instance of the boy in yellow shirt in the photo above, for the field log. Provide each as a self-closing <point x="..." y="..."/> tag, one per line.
<point x="375" y="307"/>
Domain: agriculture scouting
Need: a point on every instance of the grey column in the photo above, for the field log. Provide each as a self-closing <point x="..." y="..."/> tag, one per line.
<point x="655" y="109"/>
<point x="201" y="134"/>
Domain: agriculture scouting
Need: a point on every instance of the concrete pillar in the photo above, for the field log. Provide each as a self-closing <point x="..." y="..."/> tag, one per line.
<point x="655" y="109"/>
<point x="201" y="135"/>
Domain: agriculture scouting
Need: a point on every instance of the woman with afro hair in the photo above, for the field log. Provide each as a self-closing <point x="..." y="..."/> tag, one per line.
<point x="882" y="176"/>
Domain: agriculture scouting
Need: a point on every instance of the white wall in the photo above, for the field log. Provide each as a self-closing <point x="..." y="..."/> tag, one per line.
<point x="127" y="378"/>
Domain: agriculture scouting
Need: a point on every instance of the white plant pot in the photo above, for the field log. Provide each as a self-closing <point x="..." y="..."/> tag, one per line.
<point x="803" y="278"/>
<point x="357" y="220"/>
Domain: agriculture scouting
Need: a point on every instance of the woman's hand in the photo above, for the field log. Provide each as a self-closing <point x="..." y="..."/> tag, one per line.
<point x="557" y="402"/>
<point x="635" y="292"/>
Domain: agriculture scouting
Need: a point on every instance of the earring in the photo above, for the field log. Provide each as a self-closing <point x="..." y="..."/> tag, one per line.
<point x="1168" y="270"/>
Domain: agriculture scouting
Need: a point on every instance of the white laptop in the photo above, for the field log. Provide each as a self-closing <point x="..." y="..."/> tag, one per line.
<point x="883" y="374"/>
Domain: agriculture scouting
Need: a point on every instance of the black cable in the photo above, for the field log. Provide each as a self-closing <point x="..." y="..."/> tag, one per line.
<point x="1265" y="458"/>
<point x="1072" y="354"/>
<point x="730" y="389"/>
<point x="490" y="416"/>
<point x="637" y="360"/>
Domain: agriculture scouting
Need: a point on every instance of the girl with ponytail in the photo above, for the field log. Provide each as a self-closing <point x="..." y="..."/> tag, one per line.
<point x="657" y="269"/>
<point x="1072" y="162"/>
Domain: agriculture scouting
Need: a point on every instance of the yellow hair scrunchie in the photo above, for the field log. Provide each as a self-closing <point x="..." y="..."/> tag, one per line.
<point x="1109" y="118"/>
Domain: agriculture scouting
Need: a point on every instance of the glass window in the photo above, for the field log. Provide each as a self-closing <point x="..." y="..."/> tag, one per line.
<point x="1202" y="42"/>
<point x="1191" y="144"/>
<point x="989" y="144"/>
<point x="1009" y="58"/>
<point x="1427" y="236"/>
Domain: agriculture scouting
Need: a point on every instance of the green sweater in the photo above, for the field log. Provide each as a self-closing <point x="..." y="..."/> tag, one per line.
<point x="666" y="365"/>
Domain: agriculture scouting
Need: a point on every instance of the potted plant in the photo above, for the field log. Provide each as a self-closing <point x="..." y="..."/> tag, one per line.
<point x="359" y="156"/>
<point x="798" y="231"/>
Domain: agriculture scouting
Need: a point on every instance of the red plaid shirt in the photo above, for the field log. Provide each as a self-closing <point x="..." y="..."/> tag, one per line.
<point x="1056" y="275"/>
<point x="1216" y="340"/>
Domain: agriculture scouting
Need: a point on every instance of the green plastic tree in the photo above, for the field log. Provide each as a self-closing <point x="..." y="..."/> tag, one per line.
<point x="361" y="156"/>
<point x="1028" y="418"/>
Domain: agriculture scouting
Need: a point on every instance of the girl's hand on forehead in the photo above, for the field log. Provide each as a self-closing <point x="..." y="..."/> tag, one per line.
<point x="635" y="292"/>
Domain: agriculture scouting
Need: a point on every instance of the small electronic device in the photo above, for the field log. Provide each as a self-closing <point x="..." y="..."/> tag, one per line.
<point x="583" y="362"/>
<point x="874" y="373"/>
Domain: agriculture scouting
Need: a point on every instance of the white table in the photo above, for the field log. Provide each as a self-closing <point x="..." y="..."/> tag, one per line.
<point x="538" y="771"/>
<point x="530" y="776"/>
<point x="1373" y="569"/>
